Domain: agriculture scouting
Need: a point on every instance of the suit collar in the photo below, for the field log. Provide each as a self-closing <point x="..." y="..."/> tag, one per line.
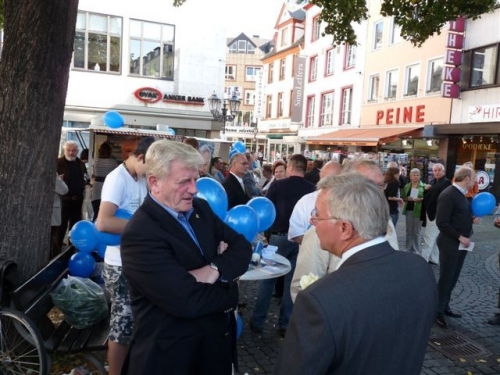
<point x="369" y="253"/>
<point x="171" y="225"/>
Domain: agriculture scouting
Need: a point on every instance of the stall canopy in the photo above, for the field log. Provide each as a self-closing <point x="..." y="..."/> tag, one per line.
<point x="365" y="136"/>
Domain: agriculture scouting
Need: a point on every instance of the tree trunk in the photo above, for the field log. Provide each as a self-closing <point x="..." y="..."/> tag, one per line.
<point x="34" y="72"/>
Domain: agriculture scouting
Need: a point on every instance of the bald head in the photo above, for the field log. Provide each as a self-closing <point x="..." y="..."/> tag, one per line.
<point x="332" y="168"/>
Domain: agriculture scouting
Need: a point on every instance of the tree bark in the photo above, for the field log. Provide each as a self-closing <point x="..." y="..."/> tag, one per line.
<point x="34" y="72"/>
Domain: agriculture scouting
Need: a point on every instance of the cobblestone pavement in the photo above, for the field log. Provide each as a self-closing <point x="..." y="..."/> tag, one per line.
<point x="475" y="296"/>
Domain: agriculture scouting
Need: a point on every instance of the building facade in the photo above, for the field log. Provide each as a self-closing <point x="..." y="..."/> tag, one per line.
<point x="147" y="64"/>
<point x="243" y="68"/>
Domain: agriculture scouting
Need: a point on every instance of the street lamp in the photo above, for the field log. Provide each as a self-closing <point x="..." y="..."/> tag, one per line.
<point x="220" y="114"/>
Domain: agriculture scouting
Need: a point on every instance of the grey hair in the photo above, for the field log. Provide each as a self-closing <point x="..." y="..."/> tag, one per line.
<point x="73" y="143"/>
<point x="439" y="166"/>
<point x="415" y="170"/>
<point x="357" y="199"/>
<point x="162" y="153"/>
<point x="235" y="157"/>
<point x="353" y="165"/>
<point x="463" y="172"/>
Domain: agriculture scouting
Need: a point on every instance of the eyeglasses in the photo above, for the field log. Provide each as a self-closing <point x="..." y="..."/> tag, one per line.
<point x="315" y="218"/>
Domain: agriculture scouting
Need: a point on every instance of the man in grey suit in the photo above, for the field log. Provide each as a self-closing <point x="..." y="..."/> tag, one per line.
<point x="374" y="314"/>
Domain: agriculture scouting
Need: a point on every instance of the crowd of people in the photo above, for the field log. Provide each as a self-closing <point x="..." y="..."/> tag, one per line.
<point x="173" y="280"/>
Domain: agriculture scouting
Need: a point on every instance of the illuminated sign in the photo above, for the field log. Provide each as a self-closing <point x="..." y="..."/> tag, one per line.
<point x="152" y="95"/>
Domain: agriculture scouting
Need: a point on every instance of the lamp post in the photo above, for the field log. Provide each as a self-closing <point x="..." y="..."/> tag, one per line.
<point x="220" y="114"/>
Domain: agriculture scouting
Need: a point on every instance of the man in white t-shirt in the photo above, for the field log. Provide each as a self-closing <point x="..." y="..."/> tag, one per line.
<point x="124" y="188"/>
<point x="299" y="221"/>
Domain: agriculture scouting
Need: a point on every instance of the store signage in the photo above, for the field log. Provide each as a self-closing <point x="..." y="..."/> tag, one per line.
<point x="258" y="110"/>
<point x="483" y="180"/>
<point x="477" y="146"/>
<point x="404" y="115"/>
<point x="453" y="58"/>
<point x="152" y="95"/>
<point x="298" y="88"/>
<point x="484" y="113"/>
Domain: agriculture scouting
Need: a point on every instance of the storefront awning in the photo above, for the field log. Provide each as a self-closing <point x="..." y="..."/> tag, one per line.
<point x="364" y="136"/>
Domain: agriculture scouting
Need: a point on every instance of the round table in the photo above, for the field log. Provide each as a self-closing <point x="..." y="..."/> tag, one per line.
<point x="257" y="273"/>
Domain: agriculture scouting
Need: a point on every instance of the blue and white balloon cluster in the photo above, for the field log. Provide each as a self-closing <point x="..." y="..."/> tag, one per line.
<point x="256" y="216"/>
<point x="86" y="238"/>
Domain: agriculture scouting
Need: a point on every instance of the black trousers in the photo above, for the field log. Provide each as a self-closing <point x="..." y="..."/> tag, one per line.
<point x="451" y="261"/>
<point x="71" y="213"/>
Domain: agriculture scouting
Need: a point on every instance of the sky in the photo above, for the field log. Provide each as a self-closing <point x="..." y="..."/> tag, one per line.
<point x="253" y="17"/>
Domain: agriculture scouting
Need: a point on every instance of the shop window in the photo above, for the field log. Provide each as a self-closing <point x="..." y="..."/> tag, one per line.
<point x="97" y="43"/>
<point x="147" y="39"/>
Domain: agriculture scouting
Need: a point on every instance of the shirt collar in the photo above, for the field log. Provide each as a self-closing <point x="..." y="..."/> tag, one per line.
<point x="240" y="180"/>
<point x="172" y="212"/>
<point x="463" y="191"/>
<point x="356" y="249"/>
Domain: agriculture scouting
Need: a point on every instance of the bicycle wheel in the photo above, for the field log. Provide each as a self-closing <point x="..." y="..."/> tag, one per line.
<point x="18" y="354"/>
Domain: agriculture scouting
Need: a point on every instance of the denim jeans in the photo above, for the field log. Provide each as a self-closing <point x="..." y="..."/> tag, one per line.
<point x="290" y="251"/>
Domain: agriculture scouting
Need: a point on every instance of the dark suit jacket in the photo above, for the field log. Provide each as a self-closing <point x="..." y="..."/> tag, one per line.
<point x="181" y="326"/>
<point x="431" y="197"/>
<point x="312" y="176"/>
<point x="454" y="214"/>
<point x="372" y="316"/>
<point x="235" y="193"/>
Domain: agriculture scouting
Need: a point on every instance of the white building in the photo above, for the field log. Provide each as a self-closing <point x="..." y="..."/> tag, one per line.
<point x="153" y="63"/>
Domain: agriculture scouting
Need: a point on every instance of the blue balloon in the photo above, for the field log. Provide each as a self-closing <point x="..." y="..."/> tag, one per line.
<point x="84" y="236"/>
<point x="81" y="265"/>
<point x="113" y="119"/>
<point x="213" y="192"/>
<point x="171" y="131"/>
<point x="239" y="325"/>
<point x="109" y="239"/>
<point x="232" y="153"/>
<point x="244" y="220"/>
<point x="483" y="204"/>
<point x="123" y="214"/>
<point x="101" y="249"/>
<point x="265" y="211"/>
<point x="239" y="146"/>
